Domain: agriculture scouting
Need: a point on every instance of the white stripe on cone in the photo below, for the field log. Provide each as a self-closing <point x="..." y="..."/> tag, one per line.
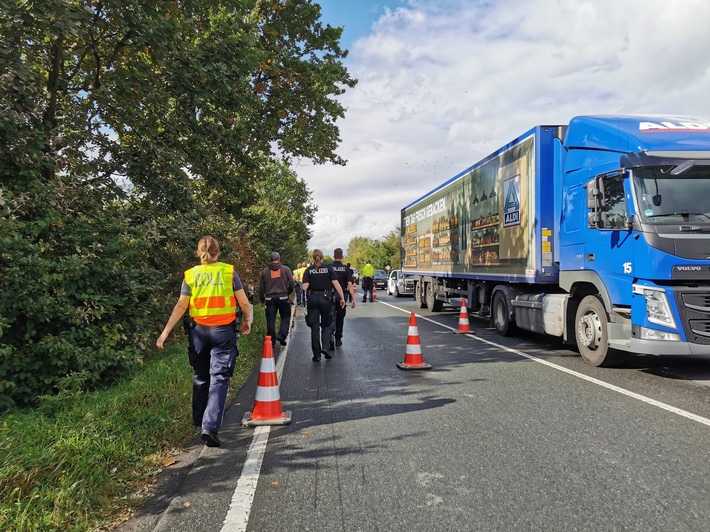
<point x="267" y="394"/>
<point x="267" y="365"/>
<point x="413" y="349"/>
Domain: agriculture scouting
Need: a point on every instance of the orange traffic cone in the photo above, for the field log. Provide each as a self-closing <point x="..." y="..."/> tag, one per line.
<point x="267" y="403"/>
<point x="374" y="291"/>
<point x="463" y="319"/>
<point x="413" y="355"/>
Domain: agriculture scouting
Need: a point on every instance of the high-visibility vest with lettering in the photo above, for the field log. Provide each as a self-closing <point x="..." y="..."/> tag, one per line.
<point x="212" y="300"/>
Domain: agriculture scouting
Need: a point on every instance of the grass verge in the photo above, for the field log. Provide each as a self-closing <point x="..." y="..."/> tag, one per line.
<point x="72" y="462"/>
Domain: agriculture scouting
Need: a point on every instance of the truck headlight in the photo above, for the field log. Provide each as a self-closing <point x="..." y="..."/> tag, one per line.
<point x="657" y="308"/>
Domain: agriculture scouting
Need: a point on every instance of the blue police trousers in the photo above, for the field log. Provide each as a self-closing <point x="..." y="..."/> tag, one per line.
<point x="212" y="352"/>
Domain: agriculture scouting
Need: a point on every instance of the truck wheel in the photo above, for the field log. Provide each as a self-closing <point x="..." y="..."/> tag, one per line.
<point x="431" y="301"/>
<point x="418" y="296"/>
<point x="501" y="316"/>
<point x="592" y="336"/>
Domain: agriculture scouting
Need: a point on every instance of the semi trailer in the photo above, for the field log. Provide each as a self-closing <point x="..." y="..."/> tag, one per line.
<point x="596" y="231"/>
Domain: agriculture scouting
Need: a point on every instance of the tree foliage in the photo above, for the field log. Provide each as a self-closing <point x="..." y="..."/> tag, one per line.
<point x="380" y="252"/>
<point x="282" y="212"/>
<point x="129" y="129"/>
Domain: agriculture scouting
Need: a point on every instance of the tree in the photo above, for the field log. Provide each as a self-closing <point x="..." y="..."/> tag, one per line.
<point x="280" y="219"/>
<point x="359" y="251"/>
<point x="380" y="252"/>
<point x="128" y="129"/>
<point x="391" y="247"/>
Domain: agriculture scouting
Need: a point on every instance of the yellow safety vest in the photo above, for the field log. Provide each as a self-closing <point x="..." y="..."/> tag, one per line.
<point x="298" y="274"/>
<point x="212" y="300"/>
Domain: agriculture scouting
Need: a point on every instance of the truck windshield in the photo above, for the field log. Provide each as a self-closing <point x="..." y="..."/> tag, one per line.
<point x="667" y="199"/>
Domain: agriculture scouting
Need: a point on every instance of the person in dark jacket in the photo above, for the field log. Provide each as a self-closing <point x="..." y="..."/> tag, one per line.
<point x="320" y="283"/>
<point x="275" y="285"/>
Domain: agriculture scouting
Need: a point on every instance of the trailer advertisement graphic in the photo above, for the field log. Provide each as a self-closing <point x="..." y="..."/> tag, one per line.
<point x="478" y="221"/>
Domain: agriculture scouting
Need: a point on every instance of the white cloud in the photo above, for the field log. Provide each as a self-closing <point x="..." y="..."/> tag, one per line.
<point x="444" y="83"/>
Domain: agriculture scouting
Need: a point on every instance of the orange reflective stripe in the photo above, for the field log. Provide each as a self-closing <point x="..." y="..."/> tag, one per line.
<point x="217" y="319"/>
<point x="198" y="302"/>
<point x="213" y="302"/>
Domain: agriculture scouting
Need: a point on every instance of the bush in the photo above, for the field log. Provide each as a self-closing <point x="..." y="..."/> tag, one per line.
<point x="81" y="301"/>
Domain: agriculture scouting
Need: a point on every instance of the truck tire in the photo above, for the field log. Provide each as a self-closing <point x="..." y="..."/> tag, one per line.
<point x="500" y="312"/>
<point x="419" y="296"/>
<point x="591" y="326"/>
<point x="431" y="301"/>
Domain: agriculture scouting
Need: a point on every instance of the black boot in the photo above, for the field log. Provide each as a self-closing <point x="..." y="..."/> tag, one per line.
<point x="210" y="438"/>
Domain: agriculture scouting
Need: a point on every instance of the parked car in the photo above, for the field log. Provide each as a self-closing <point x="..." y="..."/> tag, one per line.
<point x="356" y="276"/>
<point x="400" y="284"/>
<point x="380" y="279"/>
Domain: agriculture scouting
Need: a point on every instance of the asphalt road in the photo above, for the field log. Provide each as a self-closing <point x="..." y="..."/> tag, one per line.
<point x="501" y="434"/>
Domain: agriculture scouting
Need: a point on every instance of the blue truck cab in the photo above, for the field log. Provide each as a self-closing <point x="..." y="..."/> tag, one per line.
<point x="634" y="234"/>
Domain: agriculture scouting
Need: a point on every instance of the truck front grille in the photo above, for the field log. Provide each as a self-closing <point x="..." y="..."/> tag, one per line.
<point x="700" y="327"/>
<point x="699" y="302"/>
<point x="694" y="307"/>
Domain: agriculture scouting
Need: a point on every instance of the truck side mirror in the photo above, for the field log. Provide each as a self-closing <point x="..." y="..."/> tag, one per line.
<point x="629" y="222"/>
<point x="595" y="202"/>
<point x="597" y="219"/>
<point x="595" y="193"/>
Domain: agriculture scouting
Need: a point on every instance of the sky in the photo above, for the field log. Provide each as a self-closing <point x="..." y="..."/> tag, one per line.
<point x="444" y="83"/>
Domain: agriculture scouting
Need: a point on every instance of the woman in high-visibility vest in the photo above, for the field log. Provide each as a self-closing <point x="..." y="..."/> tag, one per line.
<point x="211" y="292"/>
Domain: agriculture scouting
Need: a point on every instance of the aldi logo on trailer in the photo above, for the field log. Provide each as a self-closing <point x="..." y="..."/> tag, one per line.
<point x="511" y="206"/>
<point x="656" y="127"/>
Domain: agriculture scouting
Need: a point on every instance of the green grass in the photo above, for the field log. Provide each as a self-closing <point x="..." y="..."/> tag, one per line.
<point x="74" y="462"/>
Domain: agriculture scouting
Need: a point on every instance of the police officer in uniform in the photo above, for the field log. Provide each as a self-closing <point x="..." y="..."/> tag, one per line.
<point x="320" y="283"/>
<point x="211" y="292"/>
<point x="345" y="278"/>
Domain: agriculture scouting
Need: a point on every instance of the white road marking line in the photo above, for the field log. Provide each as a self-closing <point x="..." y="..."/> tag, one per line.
<point x="240" y="506"/>
<point x="623" y="391"/>
<point x="237" y="516"/>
